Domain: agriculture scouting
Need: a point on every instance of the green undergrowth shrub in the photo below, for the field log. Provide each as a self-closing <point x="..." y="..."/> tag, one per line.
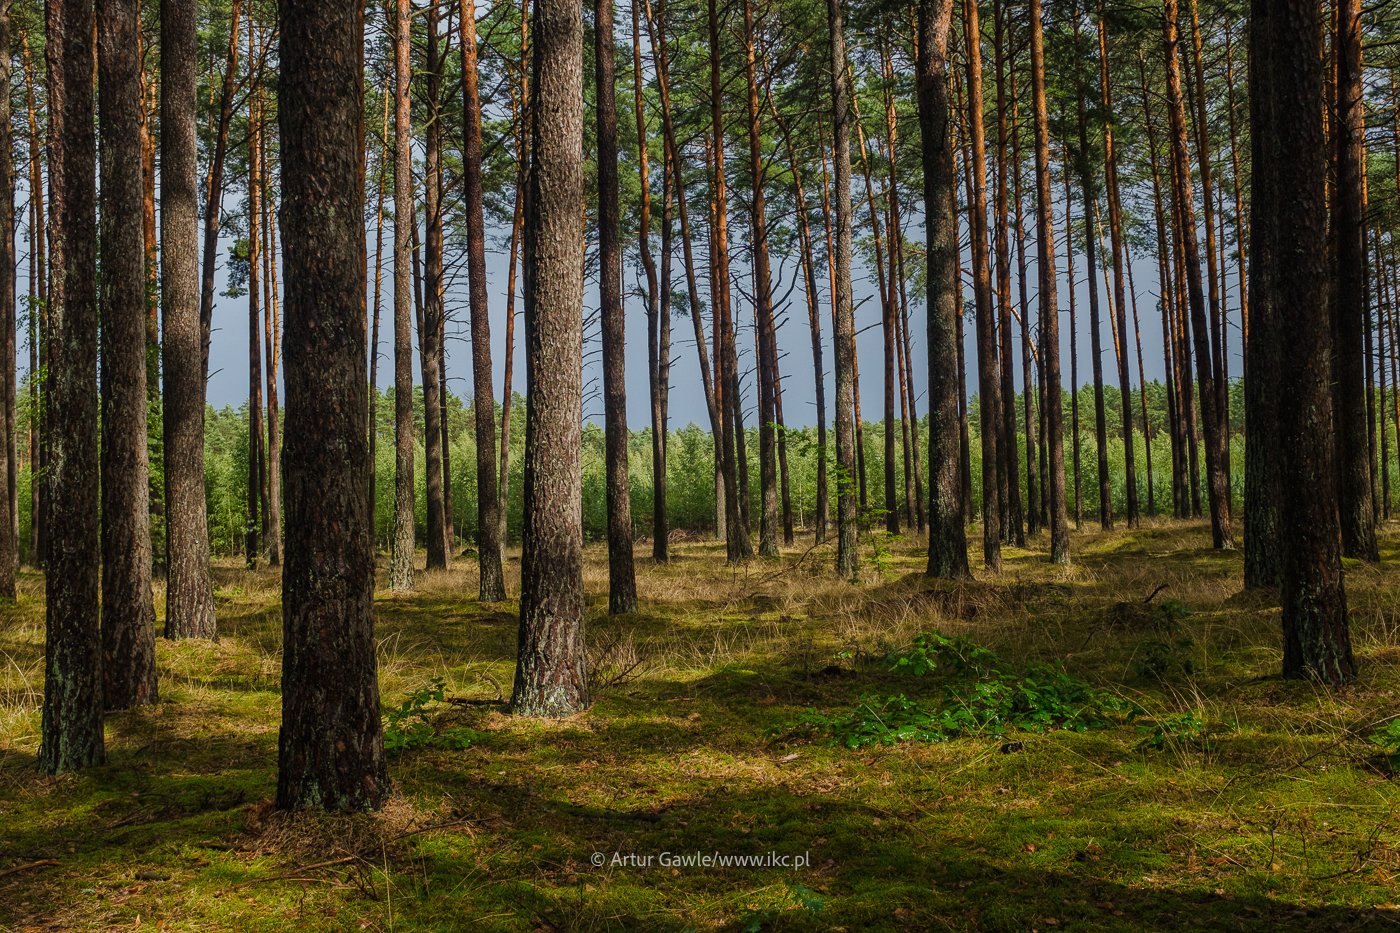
<point x="415" y="723"/>
<point x="978" y="697"/>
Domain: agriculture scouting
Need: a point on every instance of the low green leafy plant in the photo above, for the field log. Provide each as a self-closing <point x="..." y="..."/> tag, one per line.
<point x="411" y="726"/>
<point x="1159" y="660"/>
<point x="1040" y="700"/>
<point x="1186" y="730"/>
<point x="1387" y="738"/>
<point x="933" y="651"/>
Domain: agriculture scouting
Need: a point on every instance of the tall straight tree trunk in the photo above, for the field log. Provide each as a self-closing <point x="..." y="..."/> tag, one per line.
<point x="1221" y="535"/>
<point x="1014" y="531"/>
<point x="656" y="35"/>
<point x="430" y="351"/>
<point x="988" y="376"/>
<point x="550" y="675"/>
<point x="909" y="424"/>
<point x="829" y="223"/>
<point x="1120" y="298"/>
<point x="1349" y="297"/>
<point x="331" y="746"/>
<point x="663" y="361"/>
<point x="1091" y="199"/>
<point x="660" y="531"/>
<point x="10" y="546"/>
<point x="272" y="341"/>
<point x="39" y="350"/>
<point x="1049" y="306"/>
<point x="377" y="306"/>
<point x="1167" y="303"/>
<point x="814" y="324"/>
<point x="1073" y="345"/>
<point x="1142" y="385"/>
<point x="255" y="376"/>
<point x="1216" y="301"/>
<point x="517" y="227"/>
<point x="1034" y="504"/>
<point x="492" y="587"/>
<point x="214" y="194"/>
<point x="71" y="736"/>
<point x="887" y="331"/>
<point x="1287" y="80"/>
<point x="189" y="600"/>
<point x="9" y="509"/>
<point x="405" y="219"/>
<point x="947" y="530"/>
<point x="737" y="544"/>
<point x="1382" y="327"/>
<point x="763" y="310"/>
<point x="622" y="578"/>
<point x="128" y="613"/>
<point x="843" y="312"/>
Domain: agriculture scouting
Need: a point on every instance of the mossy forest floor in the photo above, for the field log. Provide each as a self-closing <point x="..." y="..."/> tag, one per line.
<point x="1269" y="808"/>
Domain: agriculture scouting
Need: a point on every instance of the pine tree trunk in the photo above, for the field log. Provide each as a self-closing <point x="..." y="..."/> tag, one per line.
<point x="1221" y="535"/>
<point x="1120" y="298"/>
<point x="1049" y="307"/>
<point x="272" y="338"/>
<point x="947" y="537"/>
<point x="492" y="587"/>
<point x="128" y="613"/>
<point x="38" y="342"/>
<point x="1349" y="298"/>
<point x="550" y="676"/>
<point x="330" y="749"/>
<point x="214" y="193"/>
<point x="1013" y="528"/>
<point x="734" y="457"/>
<point x="843" y="312"/>
<point x="660" y="531"/>
<point x="189" y="600"/>
<point x="988" y="376"/>
<point x="401" y="558"/>
<point x="814" y="324"/>
<point x="430" y="351"/>
<point x="656" y="35"/>
<point x="518" y="119"/>
<point x="1090" y="195"/>
<point x="1073" y="343"/>
<point x="1287" y="90"/>
<point x="1034" y="505"/>
<point x="255" y="375"/>
<point x="622" y="579"/>
<point x="71" y="737"/>
<point x="377" y="310"/>
<point x="763" y="310"/>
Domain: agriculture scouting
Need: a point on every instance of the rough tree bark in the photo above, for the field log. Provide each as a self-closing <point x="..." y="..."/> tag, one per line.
<point x="71" y="736"/>
<point x="622" y="577"/>
<point x="1349" y="297"/>
<point x="947" y="532"/>
<point x="843" y="313"/>
<point x="405" y="217"/>
<point x="189" y="600"/>
<point x="1287" y="122"/>
<point x="550" y="675"/>
<point x="1219" y="493"/>
<point x="492" y="586"/>
<point x="128" y="614"/>
<point x="1049" y="309"/>
<point x="331" y="745"/>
